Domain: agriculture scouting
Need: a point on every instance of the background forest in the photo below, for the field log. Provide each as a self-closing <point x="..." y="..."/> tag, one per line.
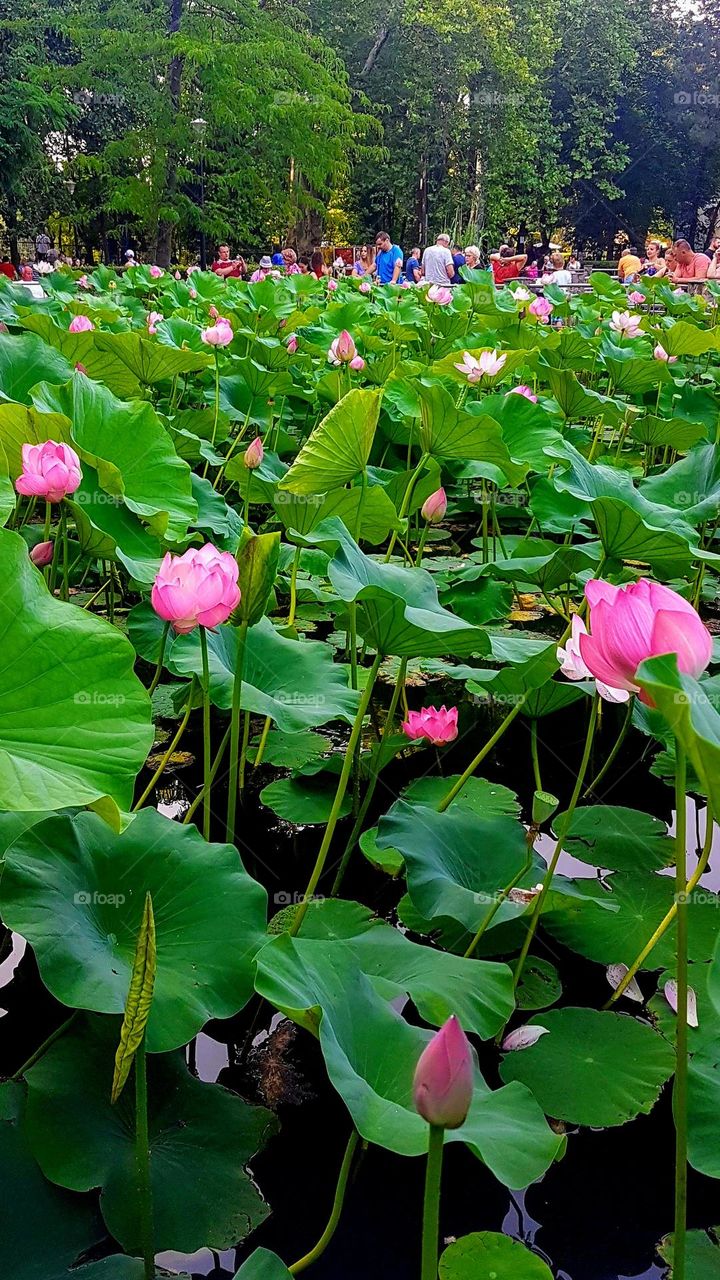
<point x="259" y="121"/>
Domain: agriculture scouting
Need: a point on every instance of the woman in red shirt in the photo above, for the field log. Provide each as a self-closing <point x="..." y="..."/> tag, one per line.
<point x="506" y="265"/>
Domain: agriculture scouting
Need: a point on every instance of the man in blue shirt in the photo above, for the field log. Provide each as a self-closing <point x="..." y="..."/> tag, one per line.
<point x="458" y="258"/>
<point x="388" y="262"/>
<point x="413" y="268"/>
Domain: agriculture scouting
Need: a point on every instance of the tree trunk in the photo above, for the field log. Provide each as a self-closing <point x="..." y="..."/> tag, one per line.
<point x="163" y="244"/>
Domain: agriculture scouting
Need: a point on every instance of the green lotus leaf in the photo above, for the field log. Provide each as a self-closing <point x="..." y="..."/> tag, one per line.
<point x="81" y="1141"/>
<point x="76" y="891"/>
<point x="489" y="1255"/>
<point x="454" y="434"/>
<point x="74" y="719"/>
<point x="339" y="448"/>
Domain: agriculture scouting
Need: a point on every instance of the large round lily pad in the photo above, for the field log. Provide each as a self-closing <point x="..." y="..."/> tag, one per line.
<point x="489" y="1255"/>
<point x="76" y="891"/>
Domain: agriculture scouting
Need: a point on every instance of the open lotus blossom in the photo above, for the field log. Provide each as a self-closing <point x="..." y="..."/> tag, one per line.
<point x="198" y="588"/>
<point x="437" y="724"/>
<point x="190" y="270"/>
<point x="660" y="353"/>
<point x="523" y="1038"/>
<point x="671" y="995"/>
<point x="219" y="334"/>
<point x="342" y="349"/>
<point x="615" y="974"/>
<point x="292" y="343"/>
<point x="541" y="308"/>
<point x="84" y="283"/>
<point x="522" y="294"/>
<point x="625" y="324"/>
<point x="439" y="294"/>
<point x="522" y="390"/>
<point x="444" y="1077"/>
<point x="42" y="554"/>
<point x="81" y="324"/>
<point x="574" y="668"/>
<point x="153" y="320"/>
<point x="488" y="364"/>
<point x="642" y="620"/>
<point x="50" y="471"/>
<point x="433" y="508"/>
<point x="156" y="272"/>
<point x="365" y="286"/>
<point x="636" y="297"/>
<point x="254" y="454"/>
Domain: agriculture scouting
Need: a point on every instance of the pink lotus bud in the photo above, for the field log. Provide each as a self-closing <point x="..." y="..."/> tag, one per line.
<point x="444" y="1077"/>
<point x="433" y="508"/>
<point x="81" y="324"/>
<point x="50" y="471"/>
<point x="636" y="297"/>
<point x="42" y="554"/>
<point x="661" y="354"/>
<point x="219" y="334"/>
<point x="254" y="454"/>
<point x="365" y="286"/>
<point x="439" y="294"/>
<point x="84" y="283"/>
<point x="437" y="724"/>
<point x="196" y="588"/>
<point x="540" y="308"/>
<point x="357" y="363"/>
<point x="156" y="272"/>
<point x="522" y="390"/>
<point x="80" y="368"/>
<point x="332" y="285"/>
<point x="292" y="343"/>
<point x="213" y="312"/>
<point x="642" y="620"/>
<point x="342" y="350"/>
<point x="178" y="276"/>
<point x="193" y="293"/>
<point x="153" y="320"/>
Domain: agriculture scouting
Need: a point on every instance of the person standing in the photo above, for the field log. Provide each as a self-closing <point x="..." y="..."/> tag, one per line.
<point x="7" y="268"/>
<point x="629" y="265"/>
<point x="389" y="259"/>
<point x="458" y="258"/>
<point x="437" y="261"/>
<point x="690" y="265"/>
<point x="560" y="274"/>
<point x="472" y="257"/>
<point x="289" y="261"/>
<point x="506" y="265"/>
<point x="365" y="262"/>
<point x="413" y="266"/>
<point x="226" y="267"/>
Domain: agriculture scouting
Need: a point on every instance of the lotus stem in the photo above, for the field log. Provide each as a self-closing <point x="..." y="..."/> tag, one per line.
<point x="173" y="747"/>
<point x="43" y="1048"/>
<point x="339" y="797"/>
<point x="161" y="657"/>
<point x="474" y="764"/>
<point x="431" y="1204"/>
<point x="206" y="732"/>
<point x="263" y="742"/>
<point x="501" y="897"/>
<point x="142" y="1157"/>
<point x="552" y="865"/>
<point x="405" y="502"/>
<point x="534" y="754"/>
<point x="613" y="754"/>
<point x="234" y="779"/>
<point x="680" y="1095"/>
<point x="340" y="1189"/>
<point x="217" y="409"/>
<point x="293" y="587"/>
<point x="213" y="772"/>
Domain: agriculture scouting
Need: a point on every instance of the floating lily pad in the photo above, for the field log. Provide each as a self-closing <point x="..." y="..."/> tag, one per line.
<point x="488" y="1255"/>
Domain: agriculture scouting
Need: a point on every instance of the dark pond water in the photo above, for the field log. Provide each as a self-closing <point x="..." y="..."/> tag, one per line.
<point x="597" y="1215"/>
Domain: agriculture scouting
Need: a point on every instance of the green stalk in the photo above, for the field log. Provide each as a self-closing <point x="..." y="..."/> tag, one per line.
<point x="206" y="732"/>
<point x="213" y="772"/>
<point x="217" y="408"/>
<point x="613" y="754"/>
<point x="431" y="1204"/>
<point x="48" y="519"/>
<point x="491" y="742"/>
<point x="43" y="1048"/>
<point x="372" y="782"/>
<point x="263" y="742"/>
<point x="540" y="900"/>
<point x="233" y="781"/>
<point x="680" y="1093"/>
<point x="669" y="916"/>
<point x="293" y="587"/>
<point x="499" y="899"/>
<point x="406" y="502"/>
<point x="329" y="1232"/>
<point x="339" y="797"/>
<point x="173" y="747"/>
<point x="142" y="1158"/>
<point x="243" y="752"/>
<point x="534" y="754"/>
<point x="65" y="593"/>
<point x="158" y="670"/>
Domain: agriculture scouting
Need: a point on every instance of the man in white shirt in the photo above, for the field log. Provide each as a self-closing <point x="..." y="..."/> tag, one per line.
<point x="438" y="266"/>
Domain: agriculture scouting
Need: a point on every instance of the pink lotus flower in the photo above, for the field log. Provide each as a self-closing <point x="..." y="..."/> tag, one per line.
<point x="639" y="621"/>
<point x="332" y="285"/>
<point x="661" y="354"/>
<point x="50" y="471"/>
<point x="193" y="293"/>
<point x="625" y="324"/>
<point x="198" y="588"/>
<point x="153" y="320"/>
<point x="439" y="294"/>
<point x="156" y="272"/>
<point x="342" y="350"/>
<point x="178" y="276"/>
<point x="213" y="312"/>
<point x="80" y="368"/>
<point x="189" y="270"/>
<point x="522" y="390"/>
<point x="365" y="286"/>
<point x="254" y="454"/>
<point x="573" y="667"/>
<point x="487" y="365"/>
<point x="433" y="508"/>
<point x="636" y="297"/>
<point x="42" y="554"/>
<point x="80" y="324"/>
<point x="292" y="343"/>
<point x="444" y="1077"/>
<point x="541" y="309"/>
<point x="84" y="283"/>
<point x="219" y="334"/>
<point x="438" y="725"/>
<point x="357" y="363"/>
